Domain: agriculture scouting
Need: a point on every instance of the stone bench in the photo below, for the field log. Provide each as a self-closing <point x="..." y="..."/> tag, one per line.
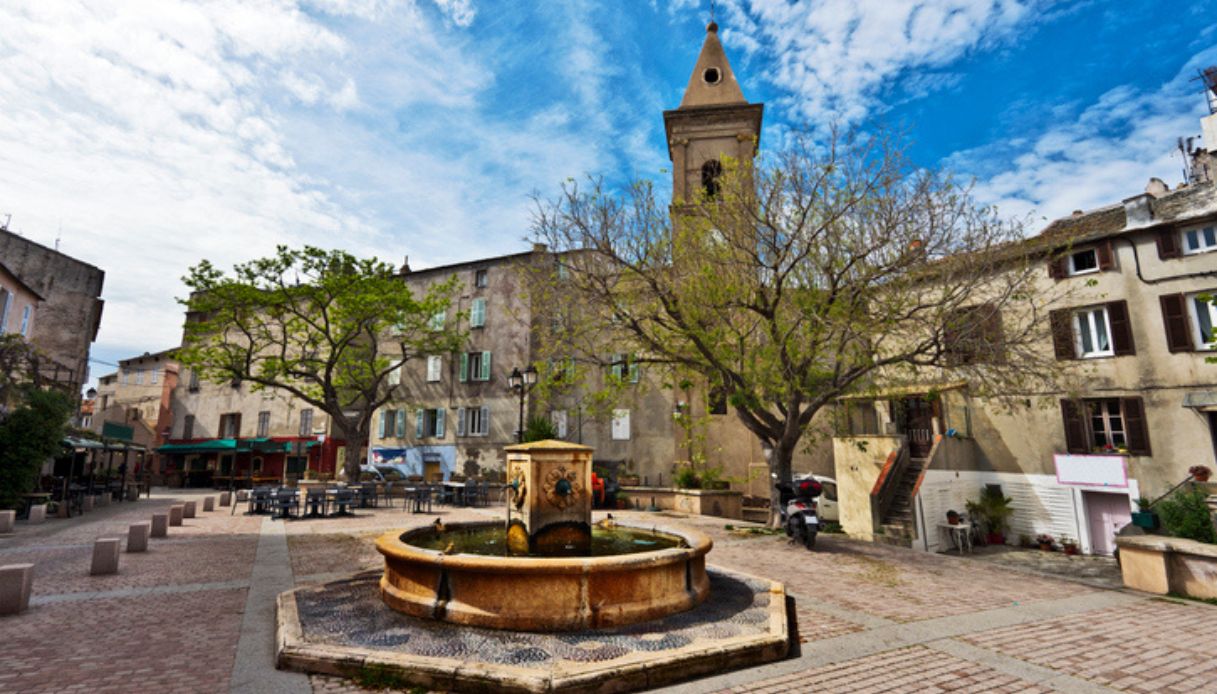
<point x="209" y="503"/>
<point x="175" y="514"/>
<point x="37" y="513"/>
<point x="160" y="525"/>
<point x="189" y="510"/>
<point x="137" y="536"/>
<point x="225" y="498"/>
<point x="7" y="518"/>
<point x="16" y="583"/>
<point x="105" y="556"/>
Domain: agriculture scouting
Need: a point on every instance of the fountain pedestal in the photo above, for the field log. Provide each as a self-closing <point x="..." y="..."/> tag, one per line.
<point x="551" y="498"/>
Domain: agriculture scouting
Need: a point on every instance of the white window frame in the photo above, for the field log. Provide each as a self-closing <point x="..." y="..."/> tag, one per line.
<point x="306" y="422"/>
<point x="420" y="423"/>
<point x="263" y="424"/>
<point x="1201" y="232"/>
<point x="435" y="368"/>
<point x="1194" y="319"/>
<point x="436" y="323"/>
<point x="139" y="377"/>
<point x="480" y="278"/>
<point x="394" y="377"/>
<point x="154" y="375"/>
<point x="620" y="428"/>
<point x="473" y="421"/>
<point x="477" y="313"/>
<point x="1072" y="270"/>
<point x="4" y="309"/>
<point x="1086" y="324"/>
<point x="558" y="419"/>
<point x="25" y="320"/>
<point x="1103" y="410"/>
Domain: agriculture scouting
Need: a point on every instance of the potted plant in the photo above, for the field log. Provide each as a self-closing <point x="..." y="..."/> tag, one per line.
<point x="1145" y="516"/>
<point x="1200" y="473"/>
<point x="1045" y="541"/>
<point x="1069" y="545"/>
<point x="623" y="501"/>
<point x="993" y="513"/>
<point x="953" y="517"/>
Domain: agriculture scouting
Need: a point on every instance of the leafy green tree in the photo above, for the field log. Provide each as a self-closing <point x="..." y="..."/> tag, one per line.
<point x="323" y="326"/>
<point x="816" y="271"/>
<point x="30" y="434"/>
<point x="18" y="368"/>
<point x="1186" y="514"/>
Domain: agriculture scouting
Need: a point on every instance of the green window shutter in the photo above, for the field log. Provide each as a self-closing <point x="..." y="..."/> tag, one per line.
<point x="384" y="419"/>
<point x="485" y="375"/>
<point x="485" y="420"/>
<point x="460" y="421"/>
<point x="439" y="422"/>
<point x="418" y="424"/>
<point x="463" y="373"/>
<point x="477" y="314"/>
<point x="401" y="424"/>
<point x="635" y="371"/>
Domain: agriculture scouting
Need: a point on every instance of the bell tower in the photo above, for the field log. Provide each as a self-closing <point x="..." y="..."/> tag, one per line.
<point x="714" y="120"/>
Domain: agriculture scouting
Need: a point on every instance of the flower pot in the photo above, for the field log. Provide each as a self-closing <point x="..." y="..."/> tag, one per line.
<point x="1202" y="476"/>
<point x="623" y="504"/>
<point x="995" y="539"/>
<point x="1145" y="519"/>
<point x="1071" y="550"/>
<point x="953" y="521"/>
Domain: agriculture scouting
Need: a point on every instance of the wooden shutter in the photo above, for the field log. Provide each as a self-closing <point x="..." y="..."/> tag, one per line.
<point x="485" y="423"/>
<point x="236" y="426"/>
<point x="1075" y="428"/>
<point x="1121" y="328"/>
<point x="401" y="424"/>
<point x="485" y="374"/>
<point x="1136" y="431"/>
<point x="1174" y="317"/>
<point x="463" y="373"/>
<point x="1058" y="266"/>
<point x="460" y="421"/>
<point x="418" y="424"/>
<point x="1062" y="334"/>
<point x="439" y="422"/>
<point x="634" y="370"/>
<point x="384" y="424"/>
<point x="1106" y="255"/>
<point x="1169" y="245"/>
<point x="477" y="313"/>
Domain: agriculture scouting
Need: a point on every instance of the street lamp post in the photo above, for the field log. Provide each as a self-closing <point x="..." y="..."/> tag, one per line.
<point x="521" y="383"/>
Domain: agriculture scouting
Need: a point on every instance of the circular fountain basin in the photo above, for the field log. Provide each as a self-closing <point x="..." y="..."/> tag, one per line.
<point x="544" y="593"/>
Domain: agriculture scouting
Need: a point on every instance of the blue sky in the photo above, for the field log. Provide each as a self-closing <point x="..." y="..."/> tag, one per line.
<point x="147" y="135"/>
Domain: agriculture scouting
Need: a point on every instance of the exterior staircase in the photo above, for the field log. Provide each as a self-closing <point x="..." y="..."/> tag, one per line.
<point x="898" y="524"/>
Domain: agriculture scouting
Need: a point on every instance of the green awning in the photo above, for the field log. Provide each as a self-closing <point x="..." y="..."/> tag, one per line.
<point x="209" y="446"/>
<point x="78" y="442"/>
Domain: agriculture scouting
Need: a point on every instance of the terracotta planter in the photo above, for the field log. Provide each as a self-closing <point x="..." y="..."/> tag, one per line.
<point x="623" y="504"/>
<point x="1202" y="476"/>
<point x="995" y="539"/>
<point x="1071" y="550"/>
<point x="1045" y="547"/>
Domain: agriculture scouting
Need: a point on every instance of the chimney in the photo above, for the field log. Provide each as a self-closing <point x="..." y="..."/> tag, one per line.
<point x="539" y="248"/>
<point x="1157" y="187"/>
<point x="1137" y="211"/>
<point x="405" y="265"/>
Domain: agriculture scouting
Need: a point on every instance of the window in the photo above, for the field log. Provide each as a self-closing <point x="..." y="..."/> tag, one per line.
<point x="710" y="171"/>
<point x="623" y="367"/>
<point x="972" y="335"/>
<point x="1083" y="262"/>
<point x="479" y="279"/>
<point x="194" y="381"/>
<point x="1092" y="333"/>
<point x="718" y="400"/>
<point x="25" y="322"/>
<point x="188" y="427"/>
<point x="388" y="422"/>
<point x="473" y="421"/>
<point x="1204" y="318"/>
<point x="435" y="367"/>
<point x="230" y="425"/>
<point x="154" y="376"/>
<point x="711" y="75"/>
<point x="1105" y="426"/>
<point x="1199" y="240"/>
<point x="263" y="424"/>
<point x="475" y="366"/>
<point x="306" y="422"/>
<point x="133" y="414"/>
<point x="429" y="423"/>
<point x="6" y="303"/>
<point x="477" y="313"/>
<point x="621" y="425"/>
<point x="139" y="377"/>
<point x="558" y="419"/>
<point x="394" y="376"/>
<point x="401" y="424"/>
<point x="125" y="377"/>
<point x="437" y="320"/>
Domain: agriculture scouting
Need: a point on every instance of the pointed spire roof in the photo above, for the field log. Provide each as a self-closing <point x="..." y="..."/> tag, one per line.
<point x="712" y="82"/>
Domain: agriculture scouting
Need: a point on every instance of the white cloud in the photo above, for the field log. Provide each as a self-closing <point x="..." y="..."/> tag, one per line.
<point x="459" y="12"/>
<point x="835" y="57"/>
<point x="1101" y="156"/>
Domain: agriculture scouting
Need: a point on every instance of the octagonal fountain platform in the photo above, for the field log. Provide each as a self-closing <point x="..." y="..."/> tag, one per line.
<point x="540" y="601"/>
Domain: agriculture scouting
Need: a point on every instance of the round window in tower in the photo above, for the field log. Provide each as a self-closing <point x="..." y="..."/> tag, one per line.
<point x="712" y="75"/>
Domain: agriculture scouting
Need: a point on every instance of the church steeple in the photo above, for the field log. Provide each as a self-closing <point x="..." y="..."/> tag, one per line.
<point x="712" y="82"/>
<point x="714" y="121"/>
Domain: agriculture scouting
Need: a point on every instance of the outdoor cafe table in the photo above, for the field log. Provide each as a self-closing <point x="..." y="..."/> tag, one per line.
<point x="458" y="492"/>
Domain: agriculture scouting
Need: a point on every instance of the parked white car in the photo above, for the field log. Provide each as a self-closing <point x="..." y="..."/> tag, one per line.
<point x="827" y="503"/>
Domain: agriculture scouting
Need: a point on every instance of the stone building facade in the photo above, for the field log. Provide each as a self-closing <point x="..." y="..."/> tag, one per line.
<point x="70" y="313"/>
<point x="137" y="399"/>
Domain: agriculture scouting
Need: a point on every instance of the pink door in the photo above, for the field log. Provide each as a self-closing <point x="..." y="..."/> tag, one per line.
<point x="1106" y="513"/>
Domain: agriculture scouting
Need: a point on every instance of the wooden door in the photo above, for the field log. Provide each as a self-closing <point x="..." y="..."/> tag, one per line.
<point x="917" y="424"/>
<point x="1105" y="514"/>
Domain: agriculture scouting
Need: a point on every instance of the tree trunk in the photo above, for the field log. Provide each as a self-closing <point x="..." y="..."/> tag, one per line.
<point x="353" y="448"/>
<point x="779" y="461"/>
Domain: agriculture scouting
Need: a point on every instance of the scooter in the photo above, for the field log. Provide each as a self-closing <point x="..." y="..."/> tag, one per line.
<point x="799" y="512"/>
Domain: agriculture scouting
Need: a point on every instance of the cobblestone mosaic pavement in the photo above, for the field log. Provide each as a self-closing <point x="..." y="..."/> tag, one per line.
<point x="870" y="617"/>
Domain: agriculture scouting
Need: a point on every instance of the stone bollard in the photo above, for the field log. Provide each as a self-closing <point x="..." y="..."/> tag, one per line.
<point x="189" y="510"/>
<point x="16" y="583"/>
<point x="104" y="499"/>
<point x="87" y="503"/>
<point x="225" y="498"/>
<point x="105" y="556"/>
<point x="242" y="496"/>
<point x="37" y="513"/>
<point x="175" y="514"/>
<point x="209" y="503"/>
<point x="160" y="525"/>
<point x="7" y="518"/>
<point x="137" y="536"/>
